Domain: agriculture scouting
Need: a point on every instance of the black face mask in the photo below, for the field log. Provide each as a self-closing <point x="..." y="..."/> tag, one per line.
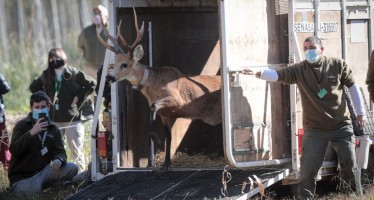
<point x="56" y="63"/>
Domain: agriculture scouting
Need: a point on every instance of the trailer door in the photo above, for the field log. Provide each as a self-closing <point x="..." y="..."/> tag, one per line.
<point x="247" y="42"/>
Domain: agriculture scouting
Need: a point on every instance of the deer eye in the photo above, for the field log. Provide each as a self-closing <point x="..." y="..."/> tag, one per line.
<point x="123" y="65"/>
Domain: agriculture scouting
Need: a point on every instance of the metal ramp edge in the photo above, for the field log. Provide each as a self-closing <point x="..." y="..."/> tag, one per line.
<point x="178" y="184"/>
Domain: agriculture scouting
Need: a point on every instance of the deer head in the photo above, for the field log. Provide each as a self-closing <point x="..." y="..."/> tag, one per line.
<point x="125" y="66"/>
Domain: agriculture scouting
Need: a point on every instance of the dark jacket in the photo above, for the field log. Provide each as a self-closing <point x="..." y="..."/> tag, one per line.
<point x="74" y="83"/>
<point x="93" y="50"/>
<point x="4" y="88"/>
<point x="27" y="159"/>
<point x="331" y="74"/>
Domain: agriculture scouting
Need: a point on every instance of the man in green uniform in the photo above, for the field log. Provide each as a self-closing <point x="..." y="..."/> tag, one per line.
<point x="326" y="117"/>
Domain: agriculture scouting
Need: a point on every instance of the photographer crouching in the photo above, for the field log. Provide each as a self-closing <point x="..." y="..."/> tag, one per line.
<point x="38" y="153"/>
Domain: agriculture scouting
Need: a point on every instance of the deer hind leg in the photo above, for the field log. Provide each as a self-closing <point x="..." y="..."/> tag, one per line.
<point x="166" y="102"/>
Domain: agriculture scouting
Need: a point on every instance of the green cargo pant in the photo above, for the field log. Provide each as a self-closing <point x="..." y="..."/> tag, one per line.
<point x="314" y="148"/>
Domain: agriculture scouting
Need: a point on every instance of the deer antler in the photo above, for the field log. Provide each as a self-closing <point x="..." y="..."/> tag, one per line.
<point x="124" y="43"/>
<point x="139" y="35"/>
<point x="115" y="48"/>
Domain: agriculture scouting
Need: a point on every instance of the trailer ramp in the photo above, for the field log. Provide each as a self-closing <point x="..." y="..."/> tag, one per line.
<point x="178" y="184"/>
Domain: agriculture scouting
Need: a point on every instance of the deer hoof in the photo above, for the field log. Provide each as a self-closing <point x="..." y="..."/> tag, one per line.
<point x="166" y="166"/>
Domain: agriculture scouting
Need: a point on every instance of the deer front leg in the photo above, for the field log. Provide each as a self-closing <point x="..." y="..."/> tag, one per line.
<point x="168" y="124"/>
<point x="167" y="163"/>
<point x="166" y="102"/>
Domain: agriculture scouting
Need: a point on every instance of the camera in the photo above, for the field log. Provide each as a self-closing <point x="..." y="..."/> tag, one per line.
<point x="44" y="117"/>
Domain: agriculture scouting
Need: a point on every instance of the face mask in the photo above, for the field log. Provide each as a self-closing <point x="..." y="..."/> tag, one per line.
<point x="35" y="113"/>
<point x="56" y="63"/>
<point x="96" y="19"/>
<point x="311" y="55"/>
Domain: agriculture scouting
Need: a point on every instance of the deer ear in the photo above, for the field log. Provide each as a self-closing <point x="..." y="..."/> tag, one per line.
<point x="138" y="52"/>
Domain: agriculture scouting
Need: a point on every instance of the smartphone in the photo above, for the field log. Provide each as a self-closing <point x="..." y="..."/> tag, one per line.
<point x="44" y="117"/>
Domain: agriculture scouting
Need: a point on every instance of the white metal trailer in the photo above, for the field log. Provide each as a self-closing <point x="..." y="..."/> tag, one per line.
<point x="244" y="39"/>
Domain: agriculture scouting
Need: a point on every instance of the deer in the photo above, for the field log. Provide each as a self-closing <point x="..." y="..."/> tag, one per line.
<point x="169" y="93"/>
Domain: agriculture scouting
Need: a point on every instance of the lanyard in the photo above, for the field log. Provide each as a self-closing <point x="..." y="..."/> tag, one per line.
<point x="58" y="84"/>
<point x="43" y="139"/>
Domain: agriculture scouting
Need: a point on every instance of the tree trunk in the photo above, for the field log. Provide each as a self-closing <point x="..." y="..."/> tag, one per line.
<point x="3" y="30"/>
<point x="56" y="24"/>
<point x="22" y="25"/>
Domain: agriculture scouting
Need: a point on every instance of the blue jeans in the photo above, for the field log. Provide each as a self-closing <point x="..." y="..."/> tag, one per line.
<point x="46" y="176"/>
<point x="314" y="148"/>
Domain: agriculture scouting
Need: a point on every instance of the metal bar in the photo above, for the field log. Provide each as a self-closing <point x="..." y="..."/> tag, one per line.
<point x="116" y="120"/>
<point x="370" y="28"/>
<point x="136" y="169"/>
<point x="150" y="43"/>
<point x="370" y="32"/>
<point x="316" y="17"/>
<point x="344" y="22"/>
<point x="270" y="182"/>
<point x="292" y="41"/>
<point x="95" y="174"/>
<point x="243" y="66"/>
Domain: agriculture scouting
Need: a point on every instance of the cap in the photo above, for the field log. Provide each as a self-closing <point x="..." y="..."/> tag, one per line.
<point x="100" y="9"/>
<point x="39" y="96"/>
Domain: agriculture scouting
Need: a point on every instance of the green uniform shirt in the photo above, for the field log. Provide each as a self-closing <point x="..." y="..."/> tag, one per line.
<point x="93" y="50"/>
<point x="331" y="74"/>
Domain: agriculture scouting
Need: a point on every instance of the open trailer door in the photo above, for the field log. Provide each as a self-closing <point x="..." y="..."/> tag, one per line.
<point x="249" y="114"/>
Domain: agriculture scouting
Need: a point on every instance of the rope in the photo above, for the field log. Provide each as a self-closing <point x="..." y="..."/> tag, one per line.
<point x="79" y="110"/>
<point x="226" y="177"/>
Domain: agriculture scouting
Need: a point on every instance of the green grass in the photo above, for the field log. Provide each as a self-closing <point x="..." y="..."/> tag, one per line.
<point x="24" y="64"/>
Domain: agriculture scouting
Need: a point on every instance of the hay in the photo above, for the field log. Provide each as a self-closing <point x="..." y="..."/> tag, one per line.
<point x="183" y="160"/>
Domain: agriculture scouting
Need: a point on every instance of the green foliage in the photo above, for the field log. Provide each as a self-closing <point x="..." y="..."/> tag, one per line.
<point x="21" y="64"/>
<point x="74" y="54"/>
<point x="18" y="69"/>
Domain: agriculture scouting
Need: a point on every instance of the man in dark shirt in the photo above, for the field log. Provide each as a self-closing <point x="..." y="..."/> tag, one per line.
<point x="326" y="117"/>
<point x="93" y="50"/>
<point x="38" y="153"/>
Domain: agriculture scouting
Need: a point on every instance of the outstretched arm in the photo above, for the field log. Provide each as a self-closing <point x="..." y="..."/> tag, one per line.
<point x="358" y="103"/>
<point x="265" y="74"/>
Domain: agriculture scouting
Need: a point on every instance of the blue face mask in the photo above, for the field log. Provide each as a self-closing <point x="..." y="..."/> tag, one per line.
<point x="311" y="55"/>
<point x="35" y="113"/>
